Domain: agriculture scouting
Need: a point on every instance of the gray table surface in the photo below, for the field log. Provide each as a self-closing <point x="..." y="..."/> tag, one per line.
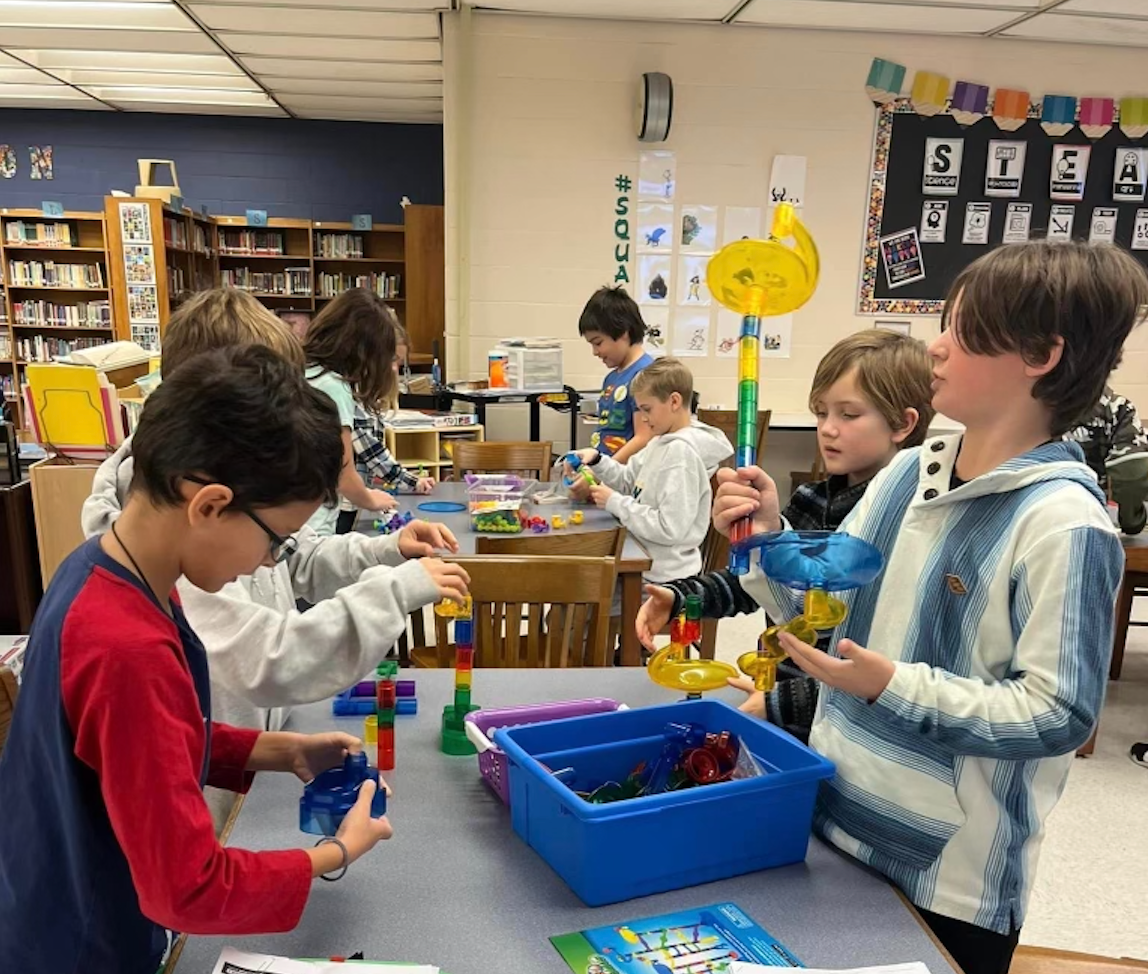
<point x="457" y="888"/>
<point x="595" y="519"/>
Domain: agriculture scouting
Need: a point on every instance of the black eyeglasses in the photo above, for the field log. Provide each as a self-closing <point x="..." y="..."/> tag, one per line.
<point x="281" y="549"/>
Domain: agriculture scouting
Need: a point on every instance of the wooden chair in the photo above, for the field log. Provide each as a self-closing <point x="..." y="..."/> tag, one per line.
<point x="726" y="421"/>
<point x="589" y="544"/>
<point x="527" y="458"/>
<point x="9" y="688"/>
<point x="1135" y="584"/>
<point x="564" y="600"/>
<point x="1045" y="960"/>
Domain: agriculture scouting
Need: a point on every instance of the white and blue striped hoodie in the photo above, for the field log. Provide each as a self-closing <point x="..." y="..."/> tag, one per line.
<point x="996" y="604"/>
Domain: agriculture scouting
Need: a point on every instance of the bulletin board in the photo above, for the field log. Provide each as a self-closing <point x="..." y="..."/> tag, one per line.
<point x="897" y="202"/>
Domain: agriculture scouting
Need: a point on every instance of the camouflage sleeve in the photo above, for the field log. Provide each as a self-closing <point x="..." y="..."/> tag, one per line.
<point x="1128" y="435"/>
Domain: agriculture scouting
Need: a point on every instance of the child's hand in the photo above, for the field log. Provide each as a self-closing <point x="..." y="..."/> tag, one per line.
<point x="425" y="485"/>
<point x="421" y="539"/>
<point x="654" y="614"/>
<point x="359" y="832"/>
<point x="755" y="702"/>
<point x="316" y="753"/>
<point x="580" y="489"/>
<point x="741" y="493"/>
<point x="860" y="672"/>
<point x="600" y="493"/>
<point x="380" y="500"/>
<point x="450" y="579"/>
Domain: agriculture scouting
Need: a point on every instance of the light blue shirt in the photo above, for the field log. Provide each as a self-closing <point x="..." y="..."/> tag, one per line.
<point x="323" y="521"/>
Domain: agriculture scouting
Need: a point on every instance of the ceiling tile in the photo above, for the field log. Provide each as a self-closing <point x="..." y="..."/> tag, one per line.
<point x="61" y="60"/>
<point x="1082" y="30"/>
<point x="371" y="5"/>
<point x="157" y="79"/>
<point x="363" y="49"/>
<point x="417" y="118"/>
<point x="342" y="70"/>
<point x="163" y="41"/>
<point x="176" y="108"/>
<point x="304" y="103"/>
<point x="73" y="101"/>
<point x="1122" y="8"/>
<point x="46" y="89"/>
<point x="324" y="22"/>
<point x="13" y="72"/>
<point x="632" y="9"/>
<point x="182" y="96"/>
<point x="379" y="89"/>
<point x="845" y="15"/>
<point x="58" y="14"/>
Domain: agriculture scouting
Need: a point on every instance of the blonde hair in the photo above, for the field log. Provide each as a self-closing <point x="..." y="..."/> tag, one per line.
<point x="894" y="372"/>
<point x="663" y="377"/>
<point x="221" y="317"/>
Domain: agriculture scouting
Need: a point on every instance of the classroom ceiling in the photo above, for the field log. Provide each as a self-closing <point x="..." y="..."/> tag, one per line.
<point x="381" y="60"/>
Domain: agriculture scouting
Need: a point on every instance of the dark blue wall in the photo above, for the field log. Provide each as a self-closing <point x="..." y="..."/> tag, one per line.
<point x="314" y="170"/>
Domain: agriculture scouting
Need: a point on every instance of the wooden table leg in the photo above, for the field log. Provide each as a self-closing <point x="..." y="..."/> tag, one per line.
<point x="1088" y="746"/>
<point x="708" y="645"/>
<point x="1120" y="636"/>
<point x="631" y="600"/>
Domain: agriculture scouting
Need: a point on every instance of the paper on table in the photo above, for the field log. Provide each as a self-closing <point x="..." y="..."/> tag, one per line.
<point x="233" y="961"/>
<point x="914" y="968"/>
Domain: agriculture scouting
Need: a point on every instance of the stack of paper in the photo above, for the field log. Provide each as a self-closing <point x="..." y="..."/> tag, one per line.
<point x="237" y="962"/>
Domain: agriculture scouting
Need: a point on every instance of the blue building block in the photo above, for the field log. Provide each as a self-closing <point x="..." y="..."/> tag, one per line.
<point x="406" y="706"/>
<point x="346" y="704"/>
<point x="332" y="794"/>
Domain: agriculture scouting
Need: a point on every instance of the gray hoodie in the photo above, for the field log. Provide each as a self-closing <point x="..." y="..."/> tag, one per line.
<point x="663" y="496"/>
<point x="263" y="652"/>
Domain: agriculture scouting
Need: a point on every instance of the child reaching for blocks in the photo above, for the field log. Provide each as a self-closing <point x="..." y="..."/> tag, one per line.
<point x="871" y="395"/>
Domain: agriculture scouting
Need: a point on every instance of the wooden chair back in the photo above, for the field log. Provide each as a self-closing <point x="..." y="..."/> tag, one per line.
<point x="564" y="602"/>
<point x="726" y="421"/>
<point x="589" y="544"/>
<point x="526" y="458"/>
<point x="1047" y="960"/>
<point x="9" y="688"/>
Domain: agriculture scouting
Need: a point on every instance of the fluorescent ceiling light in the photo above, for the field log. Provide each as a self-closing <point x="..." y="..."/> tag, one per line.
<point x="58" y="60"/>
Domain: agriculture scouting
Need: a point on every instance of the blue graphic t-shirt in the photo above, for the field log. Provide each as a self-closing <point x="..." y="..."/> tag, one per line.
<point x="616" y="408"/>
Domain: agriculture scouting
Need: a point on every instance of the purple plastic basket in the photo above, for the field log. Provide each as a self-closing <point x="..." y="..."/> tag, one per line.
<point x="482" y="723"/>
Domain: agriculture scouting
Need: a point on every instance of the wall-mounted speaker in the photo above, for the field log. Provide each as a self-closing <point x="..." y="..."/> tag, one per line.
<point x="655" y="107"/>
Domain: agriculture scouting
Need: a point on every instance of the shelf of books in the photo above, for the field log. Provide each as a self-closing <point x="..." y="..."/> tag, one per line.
<point x="272" y="262"/>
<point x="56" y="294"/>
<point x="374" y="259"/>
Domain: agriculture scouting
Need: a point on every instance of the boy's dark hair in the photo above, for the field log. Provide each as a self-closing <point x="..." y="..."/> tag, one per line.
<point x="355" y="336"/>
<point x="613" y="313"/>
<point x="244" y="417"/>
<point x="1022" y="297"/>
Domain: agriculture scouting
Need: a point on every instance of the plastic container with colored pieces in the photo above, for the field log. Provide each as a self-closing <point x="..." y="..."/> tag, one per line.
<point x="329" y="797"/>
<point x="482" y="723"/>
<point x="658" y="842"/>
<point x="495" y="501"/>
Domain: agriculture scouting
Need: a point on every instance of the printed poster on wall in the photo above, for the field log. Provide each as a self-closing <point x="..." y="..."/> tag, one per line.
<point x="934" y="219"/>
<point x="657" y="329"/>
<point x="135" y="223"/>
<point x="1102" y="229"/>
<point x="901" y="255"/>
<point x="657" y="175"/>
<point x="139" y="264"/>
<point x="1060" y="219"/>
<point x="692" y="289"/>
<point x="40" y="156"/>
<point x="7" y="161"/>
<point x="1069" y="171"/>
<point x="1140" y="231"/>
<point x="142" y="304"/>
<point x="942" y="175"/>
<point x="655" y="227"/>
<point x="776" y="336"/>
<point x="1128" y="177"/>
<point x="691" y="332"/>
<point x="741" y="223"/>
<point x="1018" y="223"/>
<point x="699" y="229"/>
<point x="787" y="181"/>
<point x="977" y="217"/>
<point x="728" y="333"/>
<point x="1004" y="169"/>
<point x="654" y="278"/>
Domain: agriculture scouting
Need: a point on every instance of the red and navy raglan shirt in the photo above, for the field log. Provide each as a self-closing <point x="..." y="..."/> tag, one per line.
<point x="107" y="842"/>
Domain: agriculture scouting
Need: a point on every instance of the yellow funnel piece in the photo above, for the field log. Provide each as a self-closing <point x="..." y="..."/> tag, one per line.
<point x="761" y="666"/>
<point x="767" y="277"/>
<point x="669" y="667"/>
<point x="450" y="609"/>
<point x="822" y="610"/>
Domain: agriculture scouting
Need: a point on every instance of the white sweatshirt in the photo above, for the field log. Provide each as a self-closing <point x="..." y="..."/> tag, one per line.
<point x="262" y="651"/>
<point x="663" y="496"/>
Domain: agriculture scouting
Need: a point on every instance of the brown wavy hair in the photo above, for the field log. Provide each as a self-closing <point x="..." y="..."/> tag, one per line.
<point x="355" y="336"/>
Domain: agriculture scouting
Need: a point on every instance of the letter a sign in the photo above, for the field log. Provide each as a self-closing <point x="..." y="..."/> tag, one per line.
<point x="942" y="167"/>
<point x="1128" y="176"/>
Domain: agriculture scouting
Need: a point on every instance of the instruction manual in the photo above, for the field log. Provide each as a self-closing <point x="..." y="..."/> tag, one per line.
<point x="233" y="961"/>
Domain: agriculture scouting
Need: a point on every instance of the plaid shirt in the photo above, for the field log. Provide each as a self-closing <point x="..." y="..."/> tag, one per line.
<point x="372" y="459"/>
<point x="820" y="506"/>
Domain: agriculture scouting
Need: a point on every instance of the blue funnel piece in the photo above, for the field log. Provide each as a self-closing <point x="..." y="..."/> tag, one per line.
<point x="825" y="560"/>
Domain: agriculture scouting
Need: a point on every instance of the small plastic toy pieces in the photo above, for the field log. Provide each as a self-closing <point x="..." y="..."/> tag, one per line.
<point x="442" y="507"/>
<point x="331" y="795"/>
<point x="558" y="522"/>
<point x="371" y="729"/>
<point x="539" y="524"/>
<point x="581" y="469"/>
<point x="406" y="706"/>
<point x="577" y="517"/>
<point x="816" y="563"/>
<point x="671" y="666"/>
<point x="350" y="704"/>
<point x="454" y="739"/>
<point x="758" y="278"/>
<point x="405" y="688"/>
<point x="394" y="524"/>
<point x="385" y="697"/>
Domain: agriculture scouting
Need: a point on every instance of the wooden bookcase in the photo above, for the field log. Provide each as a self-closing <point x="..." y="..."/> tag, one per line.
<point x="141" y="267"/>
<point x="374" y="259"/>
<point x="429" y="446"/>
<point x="425" y="319"/>
<point x="57" y="292"/>
<point x="272" y="262"/>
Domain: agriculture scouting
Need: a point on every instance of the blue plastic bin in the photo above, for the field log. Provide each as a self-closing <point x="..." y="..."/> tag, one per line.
<point x="614" y="852"/>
